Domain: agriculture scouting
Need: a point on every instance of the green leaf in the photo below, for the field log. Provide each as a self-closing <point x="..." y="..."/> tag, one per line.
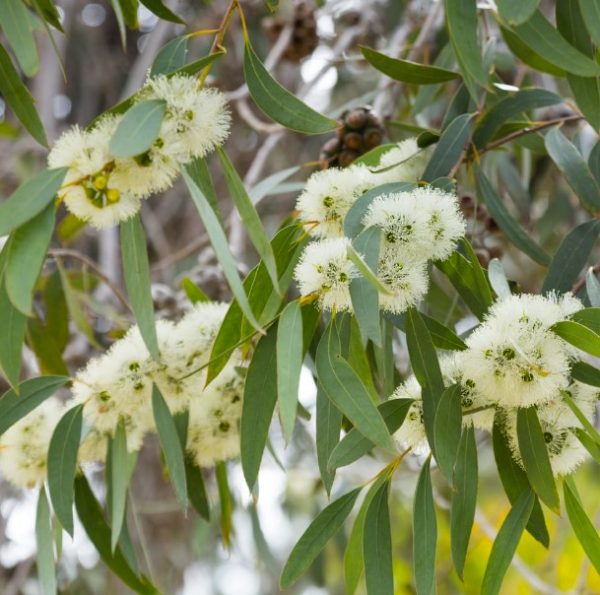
<point x="523" y="100"/>
<point x="447" y="428"/>
<point x="583" y="372"/>
<point x="249" y="216"/>
<point x="13" y="324"/>
<point x="225" y="502"/>
<point x="578" y="335"/>
<point x="354" y="445"/>
<point x="506" y="543"/>
<point x="583" y="419"/>
<point x="590" y="10"/>
<point x="219" y="242"/>
<point x="197" y="490"/>
<point x="136" y="270"/>
<point x="45" y="546"/>
<point x="377" y="544"/>
<point x="171" y="56"/>
<point x="260" y="396"/>
<point x="527" y="55"/>
<point x="571" y="257"/>
<point x="193" y="68"/>
<point x="345" y="389"/>
<point x="193" y="292"/>
<point x="592" y="287"/>
<point x="161" y="11"/>
<point x="271" y="183"/>
<point x="407" y="71"/>
<point x="16" y="405"/>
<point x="452" y="143"/>
<point x="92" y="518"/>
<point x="16" y="24"/>
<point x="507" y="223"/>
<point x="535" y="457"/>
<point x="199" y="172"/>
<point x="461" y="22"/>
<point x="18" y="97"/>
<point x="541" y="37"/>
<point x="582" y="526"/>
<point x="576" y="171"/>
<point x="138" y="129"/>
<point x="328" y="522"/>
<point x="119" y="480"/>
<point x="514" y="481"/>
<point x="426" y="368"/>
<point x="588" y="443"/>
<point x="497" y="278"/>
<point x="278" y="103"/>
<point x="441" y="335"/>
<point x="329" y="422"/>
<point x="289" y="364"/>
<point x="49" y="13"/>
<point x="515" y="12"/>
<point x="26" y="256"/>
<point x="424" y="533"/>
<point x="464" y="498"/>
<point x="29" y="199"/>
<point x="62" y="464"/>
<point x="170" y="444"/>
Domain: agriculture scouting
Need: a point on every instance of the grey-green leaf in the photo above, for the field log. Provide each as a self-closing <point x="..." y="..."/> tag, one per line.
<point x="62" y="464"/>
<point x="14" y="325"/>
<point x="535" y="457"/>
<point x="278" y="103"/>
<point x="515" y="12"/>
<point x="424" y="533"/>
<point x="138" y="129"/>
<point x="328" y="522"/>
<point x="506" y="543"/>
<point x="329" y="422"/>
<point x="171" y="56"/>
<point x="578" y="335"/>
<point x="447" y="430"/>
<point x="591" y="16"/>
<point x="29" y="199"/>
<point x="136" y="270"/>
<point x="119" y="480"/>
<point x="592" y="286"/>
<point x="170" y="444"/>
<point x="45" y="545"/>
<point x="16" y="24"/>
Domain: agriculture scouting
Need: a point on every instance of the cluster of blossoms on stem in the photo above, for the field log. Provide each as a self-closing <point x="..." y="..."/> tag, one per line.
<point x="514" y="360"/>
<point x="416" y="226"/>
<point x="116" y="388"/>
<point x="102" y="189"/>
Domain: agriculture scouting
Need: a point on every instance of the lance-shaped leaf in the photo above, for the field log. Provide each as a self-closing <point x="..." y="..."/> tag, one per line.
<point x="539" y="35"/>
<point x="19" y="99"/>
<point x="578" y="335"/>
<point x="45" y="545"/>
<point x="527" y="55"/>
<point x="219" y="242"/>
<point x="91" y="516"/>
<point x="592" y="287"/>
<point x="138" y="129"/>
<point x="161" y="11"/>
<point x="197" y="490"/>
<point x="515" y="12"/>
<point x="535" y="457"/>
<point x="464" y="497"/>
<point x="16" y="405"/>
<point x="582" y="526"/>
<point x="583" y="419"/>
<point x="171" y="56"/>
<point x="29" y="199"/>
<point x="447" y="430"/>
<point x="62" y="463"/>
<point x="346" y="390"/>
<point x="441" y="335"/>
<point x="14" y="325"/>
<point x="26" y="256"/>
<point x="498" y="279"/>
<point x="329" y="423"/>
<point x="571" y="256"/>
<point x="16" y="25"/>
<point x="377" y="544"/>
<point x="407" y="71"/>
<point x="450" y="147"/>
<point x="118" y="472"/>
<point x="170" y="444"/>
<point x="260" y="396"/>
<point x="461" y="21"/>
<point x="506" y="543"/>
<point x="591" y="15"/>
<point x="278" y="103"/>
<point x="193" y="68"/>
<point x="576" y="171"/>
<point x="507" y="223"/>
<point x="354" y="445"/>
<point x="584" y="372"/>
<point x="328" y="522"/>
<point x="289" y="364"/>
<point x="424" y="533"/>
<point x="136" y="270"/>
<point x="249" y="217"/>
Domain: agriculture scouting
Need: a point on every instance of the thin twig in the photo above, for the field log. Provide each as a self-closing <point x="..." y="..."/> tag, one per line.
<point x="66" y="253"/>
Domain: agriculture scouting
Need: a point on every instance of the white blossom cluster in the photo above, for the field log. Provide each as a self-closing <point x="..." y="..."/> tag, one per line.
<point x="102" y="189"/>
<point x="416" y="226"/>
<point x="116" y="387"/>
<point x="514" y="360"/>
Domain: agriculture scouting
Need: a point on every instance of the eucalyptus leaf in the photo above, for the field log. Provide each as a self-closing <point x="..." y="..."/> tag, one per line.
<point x="447" y="429"/>
<point x="45" y="545"/>
<point x="15" y="21"/>
<point x="424" y="533"/>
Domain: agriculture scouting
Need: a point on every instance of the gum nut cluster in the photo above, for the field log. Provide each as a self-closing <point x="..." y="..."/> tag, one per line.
<point x="117" y="388"/>
<point x="24" y="446"/>
<point x="416" y="226"/>
<point x="102" y="189"/>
